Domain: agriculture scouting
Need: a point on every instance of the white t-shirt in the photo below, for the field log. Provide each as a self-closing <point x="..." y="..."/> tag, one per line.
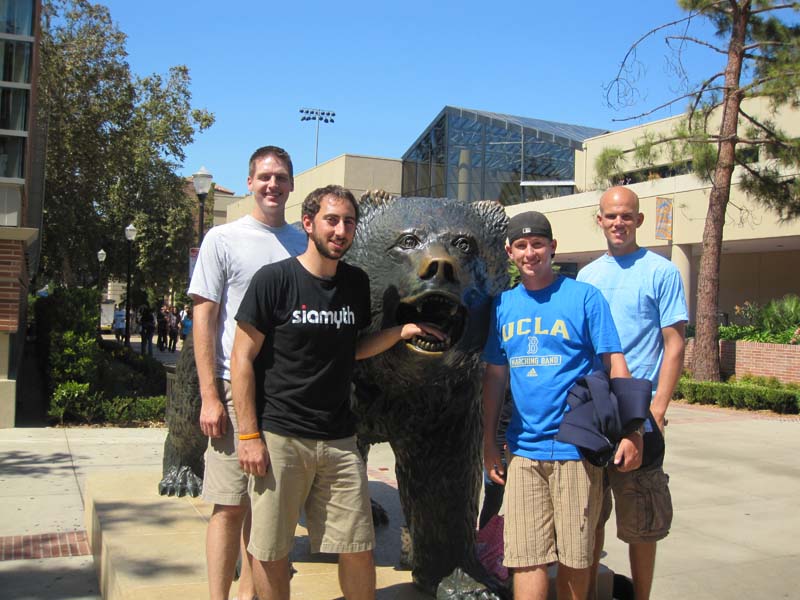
<point x="229" y="257"/>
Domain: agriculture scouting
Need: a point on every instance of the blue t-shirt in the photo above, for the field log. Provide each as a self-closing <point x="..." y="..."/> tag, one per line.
<point x="549" y="338"/>
<point x="645" y="293"/>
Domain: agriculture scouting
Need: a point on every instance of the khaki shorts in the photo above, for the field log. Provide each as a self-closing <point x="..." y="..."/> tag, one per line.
<point x="643" y="504"/>
<point x="224" y="482"/>
<point x="552" y="508"/>
<point x="328" y="479"/>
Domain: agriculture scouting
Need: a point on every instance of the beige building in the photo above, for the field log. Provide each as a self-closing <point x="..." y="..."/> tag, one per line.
<point x="758" y="248"/>
<point x="356" y="173"/>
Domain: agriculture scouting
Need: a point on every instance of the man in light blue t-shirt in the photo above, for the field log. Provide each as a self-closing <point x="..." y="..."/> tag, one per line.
<point x="645" y="293"/>
<point x="547" y="332"/>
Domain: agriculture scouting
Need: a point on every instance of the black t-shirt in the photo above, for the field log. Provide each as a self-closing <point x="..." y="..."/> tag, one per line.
<point x="311" y="327"/>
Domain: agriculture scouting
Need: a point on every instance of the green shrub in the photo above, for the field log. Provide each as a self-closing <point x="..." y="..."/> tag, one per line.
<point x="751" y="333"/>
<point x="91" y="379"/>
<point x="738" y="394"/>
<point x="151" y="408"/>
<point x="779" y="315"/>
<point x="66" y="309"/>
<point x="122" y="410"/>
<point x="74" y="357"/>
<point x="762" y="380"/>
<point x="129" y="373"/>
<point x="74" y="401"/>
<point x="774" y="323"/>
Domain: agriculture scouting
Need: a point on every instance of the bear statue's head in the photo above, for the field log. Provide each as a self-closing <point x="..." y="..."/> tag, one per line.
<point x="433" y="260"/>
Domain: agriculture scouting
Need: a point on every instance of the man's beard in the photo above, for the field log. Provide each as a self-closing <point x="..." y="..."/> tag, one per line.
<point x="322" y="247"/>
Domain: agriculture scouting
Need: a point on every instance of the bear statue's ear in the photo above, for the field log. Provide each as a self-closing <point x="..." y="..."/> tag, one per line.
<point x="493" y="215"/>
<point x="372" y="199"/>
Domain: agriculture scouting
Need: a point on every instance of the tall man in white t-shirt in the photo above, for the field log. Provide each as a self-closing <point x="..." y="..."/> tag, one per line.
<point x="229" y="256"/>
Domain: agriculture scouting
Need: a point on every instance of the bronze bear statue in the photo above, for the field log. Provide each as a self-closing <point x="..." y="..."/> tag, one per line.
<point x="435" y="260"/>
<point x="438" y="261"/>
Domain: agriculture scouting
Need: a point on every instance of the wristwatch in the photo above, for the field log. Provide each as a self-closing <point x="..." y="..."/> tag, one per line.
<point x="639" y="430"/>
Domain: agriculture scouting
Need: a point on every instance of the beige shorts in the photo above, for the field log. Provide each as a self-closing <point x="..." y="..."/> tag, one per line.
<point x="224" y="482"/>
<point x="552" y="508"/>
<point x="643" y="504"/>
<point x="328" y="479"/>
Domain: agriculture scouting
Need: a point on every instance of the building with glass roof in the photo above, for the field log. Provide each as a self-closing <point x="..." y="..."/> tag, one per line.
<point x="479" y="155"/>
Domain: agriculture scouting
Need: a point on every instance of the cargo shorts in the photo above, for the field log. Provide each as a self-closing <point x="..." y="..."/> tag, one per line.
<point x="642" y="502"/>
<point x="224" y="482"/>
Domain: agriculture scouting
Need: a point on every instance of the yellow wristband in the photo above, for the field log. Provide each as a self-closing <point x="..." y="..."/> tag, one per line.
<point x="249" y="436"/>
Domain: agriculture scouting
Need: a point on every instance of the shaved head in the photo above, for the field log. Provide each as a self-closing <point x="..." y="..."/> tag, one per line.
<point x="619" y="218"/>
<point x="620" y="193"/>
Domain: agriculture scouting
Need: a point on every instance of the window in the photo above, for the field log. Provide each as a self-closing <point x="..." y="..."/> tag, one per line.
<point x="12" y="155"/>
<point x="15" y="61"/>
<point x="16" y="17"/>
<point x="13" y="109"/>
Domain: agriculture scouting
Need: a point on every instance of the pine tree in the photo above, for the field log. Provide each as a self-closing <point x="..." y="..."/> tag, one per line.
<point x="762" y="50"/>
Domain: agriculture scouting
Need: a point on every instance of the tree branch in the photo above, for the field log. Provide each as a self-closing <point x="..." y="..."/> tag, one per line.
<point x="704" y="87"/>
<point x="674" y="100"/>
<point x="764" y="43"/>
<point x="761" y="142"/>
<point x="620" y="82"/>
<point x="758" y="123"/>
<point x="688" y="38"/>
<point x="711" y="139"/>
<point x="756" y="11"/>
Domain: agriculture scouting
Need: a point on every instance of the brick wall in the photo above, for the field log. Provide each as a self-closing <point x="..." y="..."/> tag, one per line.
<point x="13" y="282"/>
<point x="781" y="361"/>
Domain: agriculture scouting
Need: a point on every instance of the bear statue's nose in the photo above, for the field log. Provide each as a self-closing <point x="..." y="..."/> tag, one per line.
<point x="437" y="264"/>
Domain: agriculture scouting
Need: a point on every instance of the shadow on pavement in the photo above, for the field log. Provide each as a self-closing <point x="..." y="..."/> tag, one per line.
<point x="34" y="464"/>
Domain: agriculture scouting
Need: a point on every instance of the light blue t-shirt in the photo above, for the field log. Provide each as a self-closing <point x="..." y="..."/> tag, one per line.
<point x="645" y="293"/>
<point x="549" y="338"/>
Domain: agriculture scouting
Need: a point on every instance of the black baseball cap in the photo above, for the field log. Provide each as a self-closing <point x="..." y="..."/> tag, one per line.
<point x="529" y="223"/>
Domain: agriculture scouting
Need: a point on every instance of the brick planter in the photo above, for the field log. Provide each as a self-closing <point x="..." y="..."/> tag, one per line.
<point x="781" y="361"/>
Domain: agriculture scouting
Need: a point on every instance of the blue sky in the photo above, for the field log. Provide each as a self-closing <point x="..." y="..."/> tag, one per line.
<point x="388" y="68"/>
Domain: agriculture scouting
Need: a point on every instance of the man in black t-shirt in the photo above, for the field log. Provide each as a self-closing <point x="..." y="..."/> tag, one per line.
<point x="298" y="332"/>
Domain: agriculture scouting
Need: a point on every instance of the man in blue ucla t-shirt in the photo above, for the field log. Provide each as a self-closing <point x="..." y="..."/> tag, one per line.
<point x="546" y="333"/>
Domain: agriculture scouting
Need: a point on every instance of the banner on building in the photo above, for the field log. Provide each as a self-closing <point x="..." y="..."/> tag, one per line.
<point x="664" y="218"/>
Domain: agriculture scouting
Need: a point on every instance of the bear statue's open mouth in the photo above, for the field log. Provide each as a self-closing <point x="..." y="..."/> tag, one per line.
<point x="437" y="309"/>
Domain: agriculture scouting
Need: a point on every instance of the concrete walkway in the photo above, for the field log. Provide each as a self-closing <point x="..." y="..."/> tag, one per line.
<point x="734" y="475"/>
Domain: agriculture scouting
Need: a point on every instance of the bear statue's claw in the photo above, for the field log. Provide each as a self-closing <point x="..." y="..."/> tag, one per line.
<point x="460" y="586"/>
<point x="180" y="481"/>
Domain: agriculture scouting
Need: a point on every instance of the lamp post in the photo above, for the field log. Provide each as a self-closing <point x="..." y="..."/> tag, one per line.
<point x="130" y="235"/>
<point x="202" y="184"/>
<point x="317" y="114"/>
<point x="101" y="258"/>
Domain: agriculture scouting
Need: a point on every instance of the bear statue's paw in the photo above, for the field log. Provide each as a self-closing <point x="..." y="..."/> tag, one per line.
<point x="460" y="586"/>
<point x="180" y="481"/>
<point x="379" y="514"/>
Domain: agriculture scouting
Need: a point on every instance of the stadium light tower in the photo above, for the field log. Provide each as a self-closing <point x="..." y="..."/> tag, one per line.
<point x="317" y="114"/>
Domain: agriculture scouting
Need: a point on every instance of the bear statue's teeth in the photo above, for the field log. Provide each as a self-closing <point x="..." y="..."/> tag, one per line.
<point x="441" y="310"/>
<point x="428" y="346"/>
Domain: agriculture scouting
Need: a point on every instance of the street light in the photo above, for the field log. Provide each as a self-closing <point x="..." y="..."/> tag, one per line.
<point x="202" y="185"/>
<point x="101" y="258"/>
<point x="130" y="235"/>
<point x="317" y="114"/>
